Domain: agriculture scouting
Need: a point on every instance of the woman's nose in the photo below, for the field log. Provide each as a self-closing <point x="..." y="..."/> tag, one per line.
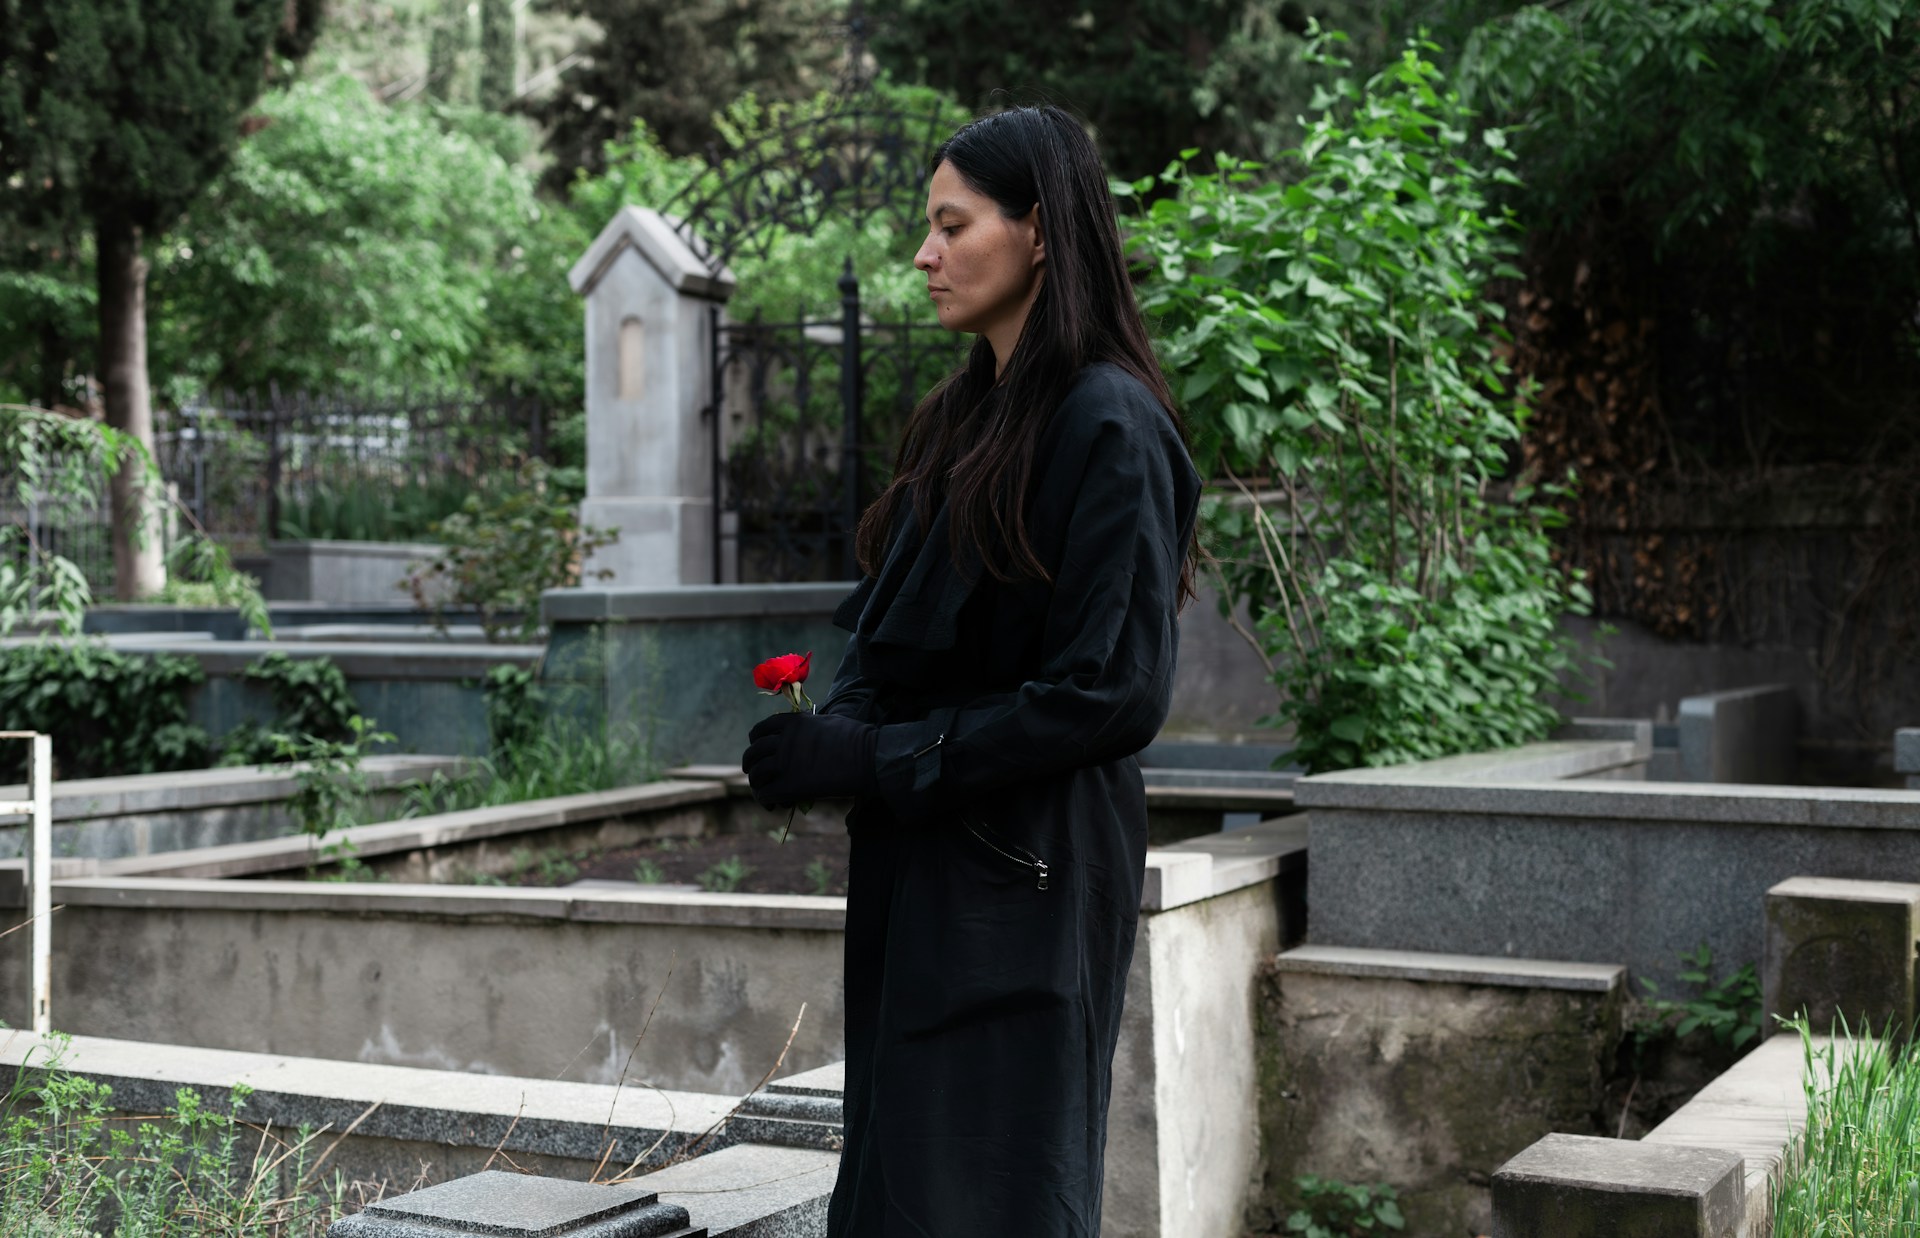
<point x="924" y="260"/>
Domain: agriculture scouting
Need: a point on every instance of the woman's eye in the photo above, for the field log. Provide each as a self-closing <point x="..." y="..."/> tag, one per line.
<point x="949" y="230"/>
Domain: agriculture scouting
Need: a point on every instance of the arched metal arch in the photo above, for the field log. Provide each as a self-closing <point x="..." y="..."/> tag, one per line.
<point x="855" y="159"/>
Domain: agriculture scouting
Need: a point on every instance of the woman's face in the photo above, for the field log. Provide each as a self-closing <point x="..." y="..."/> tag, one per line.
<point x="983" y="269"/>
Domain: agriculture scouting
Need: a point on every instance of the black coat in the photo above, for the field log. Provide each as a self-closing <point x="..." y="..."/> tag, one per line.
<point x="995" y="881"/>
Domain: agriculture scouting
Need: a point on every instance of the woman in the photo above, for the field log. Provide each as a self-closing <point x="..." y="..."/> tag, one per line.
<point x="1013" y="647"/>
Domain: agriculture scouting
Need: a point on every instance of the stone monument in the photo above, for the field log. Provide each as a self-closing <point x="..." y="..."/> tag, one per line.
<point x="650" y="464"/>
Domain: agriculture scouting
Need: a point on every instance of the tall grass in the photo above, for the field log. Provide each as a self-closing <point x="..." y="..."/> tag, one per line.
<point x="559" y="758"/>
<point x="1855" y="1171"/>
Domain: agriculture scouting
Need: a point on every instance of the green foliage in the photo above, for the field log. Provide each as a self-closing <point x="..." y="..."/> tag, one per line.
<point x="796" y="272"/>
<point x="70" y="1166"/>
<point x="1704" y="115"/>
<point x="559" y="758"/>
<point x="501" y="551"/>
<point x="311" y="701"/>
<point x="330" y="788"/>
<point x="819" y="875"/>
<point x="648" y="873"/>
<point x="1334" y="345"/>
<point x="1333" y="1209"/>
<point x="516" y="714"/>
<point x="673" y="64"/>
<point x="123" y="112"/>
<point x="724" y="876"/>
<point x="59" y="466"/>
<point x="363" y="513"/>
<point x="358" y="245"/>
<point x="1854" y="1169"/>
<point x="1728" y="1009"/>
<point x="111" y="713"/>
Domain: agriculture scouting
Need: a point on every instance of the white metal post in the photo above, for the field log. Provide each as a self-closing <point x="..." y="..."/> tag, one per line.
<point x="40" y="879"/>
<point x="39" y="809"/>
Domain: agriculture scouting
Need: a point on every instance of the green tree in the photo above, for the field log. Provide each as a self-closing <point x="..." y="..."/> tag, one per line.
<point x="361" y="245"/>
<point x="1151" y="77"/>
<point x="114" y="116"/>
<point x="674" y="64"/>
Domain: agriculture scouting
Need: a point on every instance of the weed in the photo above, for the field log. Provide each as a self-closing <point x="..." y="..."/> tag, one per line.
<point x="725" y="876"/>
<point x="1728" y="1009"/>
<point x="648" y="873"/>
<point x="820" y="875"/>
<point x="1333" y="1209"/>
<point x="70" y="1166"/>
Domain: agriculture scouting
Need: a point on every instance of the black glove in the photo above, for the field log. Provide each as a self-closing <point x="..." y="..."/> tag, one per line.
<point x="797" y="758"/>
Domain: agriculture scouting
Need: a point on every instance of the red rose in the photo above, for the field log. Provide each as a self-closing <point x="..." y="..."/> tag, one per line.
<point x="776" y="675"/>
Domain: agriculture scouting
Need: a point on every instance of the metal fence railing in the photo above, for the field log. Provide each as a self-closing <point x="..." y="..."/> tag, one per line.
<point x="250" y="469"/>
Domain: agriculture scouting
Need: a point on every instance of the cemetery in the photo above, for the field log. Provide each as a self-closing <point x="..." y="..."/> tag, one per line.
<point x="1533" y="834"/>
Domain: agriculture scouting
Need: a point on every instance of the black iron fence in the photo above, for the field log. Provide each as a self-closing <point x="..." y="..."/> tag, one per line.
<point x="250" y="470"/>
<point x="812" y="413"/>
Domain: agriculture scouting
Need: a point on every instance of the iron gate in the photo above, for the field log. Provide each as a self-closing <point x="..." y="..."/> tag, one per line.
<point x="806" y="418"/>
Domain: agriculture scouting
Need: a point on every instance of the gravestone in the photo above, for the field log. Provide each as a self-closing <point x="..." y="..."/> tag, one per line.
<point x="650" y="443"/>
<point x="505" y="1205"/>
<point x="1838" y="948"/>
<point x="1580" y="1186"/>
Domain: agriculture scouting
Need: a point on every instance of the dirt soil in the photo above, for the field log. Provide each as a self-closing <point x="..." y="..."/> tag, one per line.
<point x="804" y="864"/>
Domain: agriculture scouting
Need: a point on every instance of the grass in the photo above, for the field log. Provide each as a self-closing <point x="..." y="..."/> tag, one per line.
<point x="560" y="759"/>
<point x="71" y="1167"/>
<point x="1855" y="1171"/>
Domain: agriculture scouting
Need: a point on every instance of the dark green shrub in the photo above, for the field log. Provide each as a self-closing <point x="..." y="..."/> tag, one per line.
<point x="1333" y="341"/>
<point x="109" y="713"/>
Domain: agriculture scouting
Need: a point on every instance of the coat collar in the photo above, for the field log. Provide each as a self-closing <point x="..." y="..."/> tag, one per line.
<point x="916" y="599"/>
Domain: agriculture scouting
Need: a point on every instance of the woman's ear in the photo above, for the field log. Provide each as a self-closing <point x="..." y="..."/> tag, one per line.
<point x="1039" y="238"/>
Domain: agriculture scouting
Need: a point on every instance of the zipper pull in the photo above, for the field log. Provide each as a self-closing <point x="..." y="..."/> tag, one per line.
<point x="938" y="740"/>
<point x="1040" y="867"/>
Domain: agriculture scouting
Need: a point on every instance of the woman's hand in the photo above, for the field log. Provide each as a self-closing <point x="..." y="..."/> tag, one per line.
<point x="798" y="758"/>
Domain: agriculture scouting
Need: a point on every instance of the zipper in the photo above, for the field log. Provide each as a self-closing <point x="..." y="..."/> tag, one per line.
<point x="1026" y="859"/>
<point x="937" y="741"/>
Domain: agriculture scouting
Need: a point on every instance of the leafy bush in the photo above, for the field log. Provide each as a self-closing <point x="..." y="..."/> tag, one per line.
<point x="311" y="701"/>
<point x="1333" y="1209"/>
<point x="110" y="713"/>
<point x="1334" y="345"/>
<point x="501" y="551"/>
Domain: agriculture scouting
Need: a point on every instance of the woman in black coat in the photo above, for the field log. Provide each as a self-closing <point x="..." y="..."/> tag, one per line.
<point x="1012" y="648"/>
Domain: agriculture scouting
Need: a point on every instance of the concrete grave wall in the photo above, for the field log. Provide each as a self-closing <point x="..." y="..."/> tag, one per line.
<point x="340" y="573"/>
<point x="429" y="695"/>
<point x="1417" y="857"/>
<point x="1742" y="735"/>
<point x="1425" y="1071"/>
<point x="148" y="814"/>
<point x="678" y="662"/>
<point x="558" y="983"/>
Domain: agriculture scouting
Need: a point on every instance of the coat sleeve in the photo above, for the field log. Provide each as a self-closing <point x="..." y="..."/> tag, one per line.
<point x="851" y="692"/>
<point x="1108" y="642"/>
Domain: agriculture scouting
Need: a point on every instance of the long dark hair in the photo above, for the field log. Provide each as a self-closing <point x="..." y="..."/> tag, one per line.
<point x="972" y="439"/>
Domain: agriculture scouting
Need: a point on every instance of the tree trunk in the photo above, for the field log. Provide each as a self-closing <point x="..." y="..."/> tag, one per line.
<point x="496" y="55"/>
<point x="139" y="568"/>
